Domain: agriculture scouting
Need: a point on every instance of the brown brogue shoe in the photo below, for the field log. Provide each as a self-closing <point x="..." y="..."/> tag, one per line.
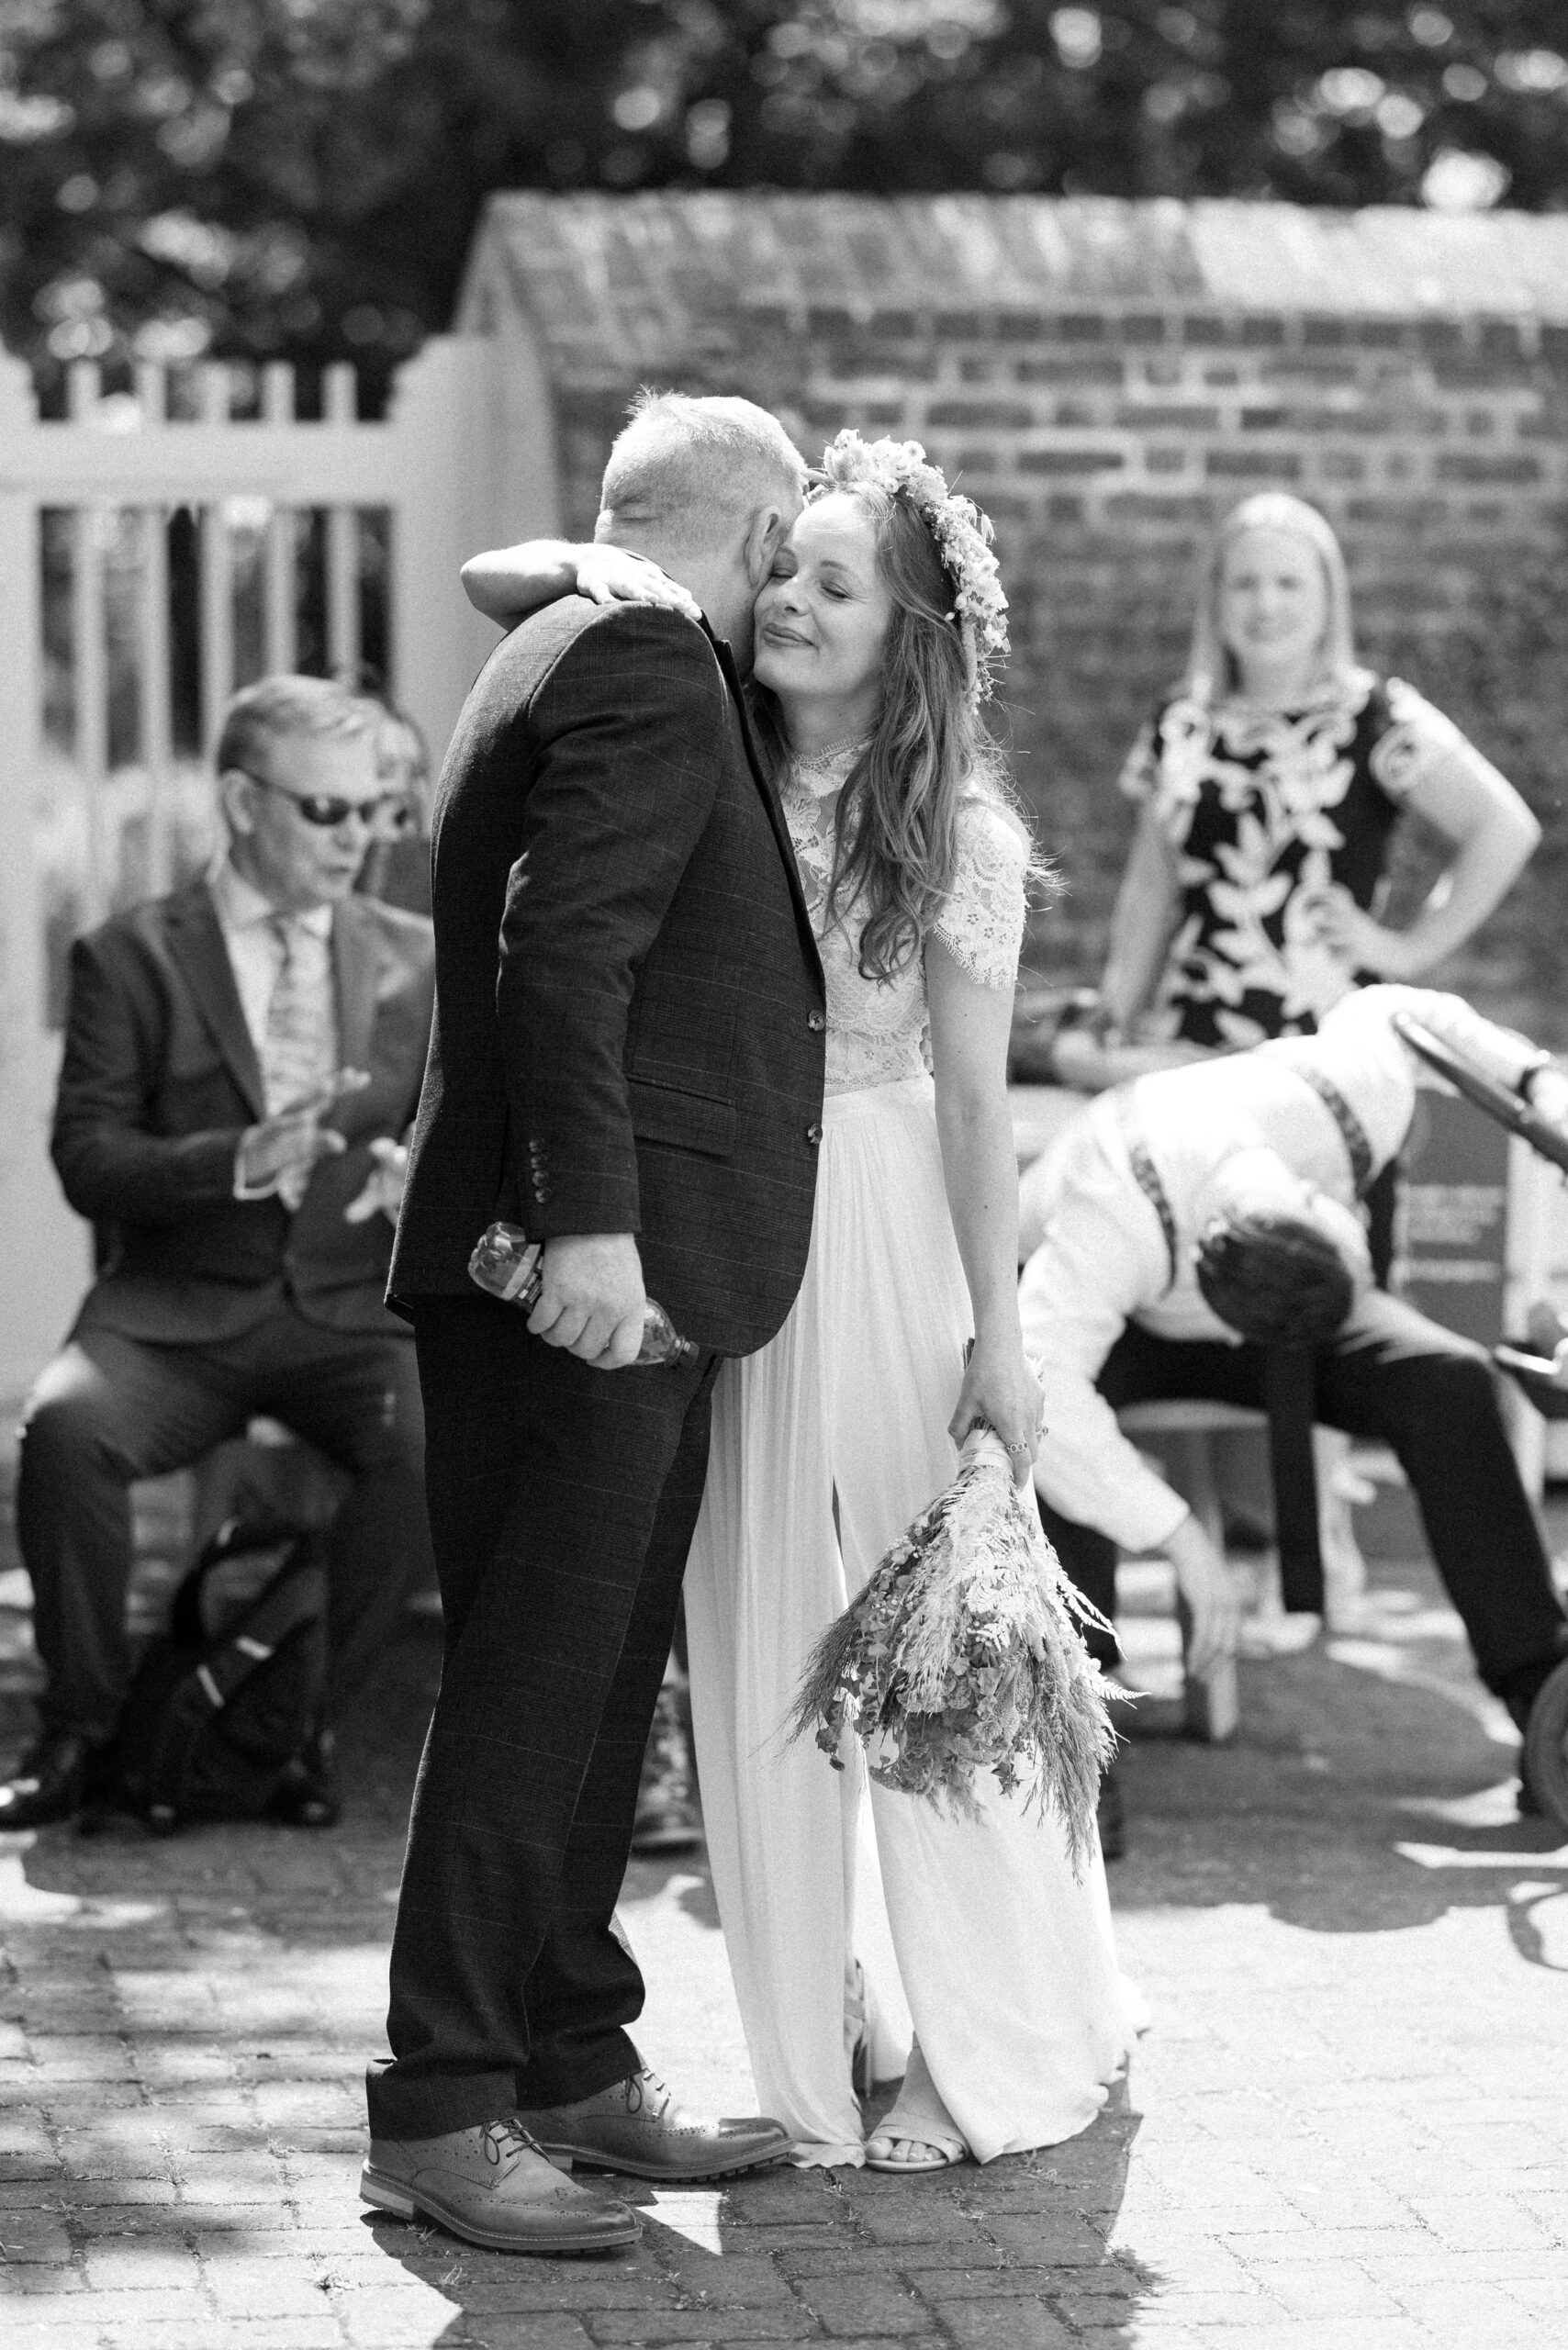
<point x="637" y="2128"/>
<point x="493" y="2186"/>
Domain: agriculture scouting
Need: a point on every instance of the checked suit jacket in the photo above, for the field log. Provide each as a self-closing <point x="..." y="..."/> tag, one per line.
<point x="629" y="1012"/>
<point x="161" y="1079"/>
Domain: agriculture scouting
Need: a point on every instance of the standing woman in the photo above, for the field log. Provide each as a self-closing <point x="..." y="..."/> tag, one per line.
<point x="1267" y="788"/>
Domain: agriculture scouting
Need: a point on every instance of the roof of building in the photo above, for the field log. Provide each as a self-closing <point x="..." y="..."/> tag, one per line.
<point x="624" y="281"/>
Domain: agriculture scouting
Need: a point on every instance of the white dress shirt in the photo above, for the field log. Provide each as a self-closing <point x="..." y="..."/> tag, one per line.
<point x="1098" y="1256"/>
<point x="247" y="921"/>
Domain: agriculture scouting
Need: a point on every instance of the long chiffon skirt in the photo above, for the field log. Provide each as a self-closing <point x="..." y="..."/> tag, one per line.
<point x="826" y="1445"/>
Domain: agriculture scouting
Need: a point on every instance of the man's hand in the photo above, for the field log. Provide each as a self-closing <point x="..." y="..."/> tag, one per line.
<point x="383" y="1192"/>
<point x="1208" y="1587"/>
<point x="1549" y="1095"/>
<point x="278" y="1156"/>
<point x="592" y="1298"/>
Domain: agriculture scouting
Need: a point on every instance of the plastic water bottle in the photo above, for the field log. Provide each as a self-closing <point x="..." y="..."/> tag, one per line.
<point x="508" y="1265"/>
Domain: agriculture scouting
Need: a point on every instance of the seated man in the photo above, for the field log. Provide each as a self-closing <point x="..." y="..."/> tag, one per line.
<point x="241" y="1059"/>
<point x="1193" y="1235"/>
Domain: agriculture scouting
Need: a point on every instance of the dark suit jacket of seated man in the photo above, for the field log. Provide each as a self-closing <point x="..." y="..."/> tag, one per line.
<point x="232" y="1283"/>
<point x="1110" y="1303"/>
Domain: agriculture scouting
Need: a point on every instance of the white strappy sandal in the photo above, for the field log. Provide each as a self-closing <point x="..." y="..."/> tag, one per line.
<point x="937" y="2153"/>
<point x="929" y="2127"/>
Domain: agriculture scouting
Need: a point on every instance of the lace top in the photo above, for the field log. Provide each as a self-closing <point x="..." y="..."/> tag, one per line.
<point x="879" y="1031"/>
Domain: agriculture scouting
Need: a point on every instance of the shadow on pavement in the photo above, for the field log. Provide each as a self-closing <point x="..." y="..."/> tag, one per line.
<point x="1014" y="2252"/>
<point x="1371" y="1786"/>
<point x="199" y="2010"/>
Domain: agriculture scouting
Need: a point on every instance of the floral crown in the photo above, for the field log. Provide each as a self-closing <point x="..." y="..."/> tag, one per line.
<point x="961" y="534"/>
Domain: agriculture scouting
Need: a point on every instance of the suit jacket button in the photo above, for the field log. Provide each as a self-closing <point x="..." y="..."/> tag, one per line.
<point x="813" y="1136"/>
<point x="816" y="1021"/>
<point x="542" y="1192"/>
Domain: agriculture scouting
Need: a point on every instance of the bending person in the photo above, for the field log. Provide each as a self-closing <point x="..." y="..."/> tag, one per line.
<point x="1192" y="1222"/>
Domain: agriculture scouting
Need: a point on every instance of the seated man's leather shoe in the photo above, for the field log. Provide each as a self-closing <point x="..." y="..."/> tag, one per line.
<point x="636" y="2127"/>
<point x="1543" y="1765"/>
<point x="667" y="1818"/>
<point x="307" y="1794"/>
<point x="51" y="1783"/>
<point x="1111" y="1813"/>
<point x="492" y="2185"/>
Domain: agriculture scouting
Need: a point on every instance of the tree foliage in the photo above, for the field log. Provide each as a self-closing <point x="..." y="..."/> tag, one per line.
<point x="301" y="177"/>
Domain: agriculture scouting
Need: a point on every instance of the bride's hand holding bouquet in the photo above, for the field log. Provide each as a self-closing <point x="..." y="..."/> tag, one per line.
<point x="1000" y="1392"/>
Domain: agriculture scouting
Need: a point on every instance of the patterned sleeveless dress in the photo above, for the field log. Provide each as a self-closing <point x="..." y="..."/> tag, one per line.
<point x="1263" y="809"/>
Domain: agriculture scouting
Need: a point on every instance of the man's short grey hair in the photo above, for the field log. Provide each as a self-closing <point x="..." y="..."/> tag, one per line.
<point x="259" y="715"/>
<point x="692" y="470"/>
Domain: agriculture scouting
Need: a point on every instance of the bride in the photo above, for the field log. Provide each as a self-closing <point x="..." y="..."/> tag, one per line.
<point x="875" y="640"/>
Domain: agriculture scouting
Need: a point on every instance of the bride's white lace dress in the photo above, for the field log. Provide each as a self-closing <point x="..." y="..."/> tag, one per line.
<point x="824" y="1446"/>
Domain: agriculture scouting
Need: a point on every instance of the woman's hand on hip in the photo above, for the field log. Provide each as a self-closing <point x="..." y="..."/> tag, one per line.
<point x="1000" y="1389"/>
<point x="1363" y="945"/>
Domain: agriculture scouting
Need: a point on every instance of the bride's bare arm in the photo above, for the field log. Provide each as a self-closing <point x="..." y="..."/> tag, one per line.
<point x="970" y="1027"/>
<point x="508" y="582"/>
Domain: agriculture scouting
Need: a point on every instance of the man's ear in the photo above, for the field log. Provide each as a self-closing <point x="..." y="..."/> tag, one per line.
<point x="235" y="797"/>
<point x="766" y="533"/>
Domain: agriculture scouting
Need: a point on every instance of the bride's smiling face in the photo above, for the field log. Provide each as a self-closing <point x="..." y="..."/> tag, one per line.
<point x="822" y="618"/>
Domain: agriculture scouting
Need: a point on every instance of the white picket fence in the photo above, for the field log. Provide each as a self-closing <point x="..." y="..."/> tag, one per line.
<point x="429" y="482"/>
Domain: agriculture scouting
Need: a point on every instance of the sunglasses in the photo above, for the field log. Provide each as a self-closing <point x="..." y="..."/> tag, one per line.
<point x="323" y="809"/>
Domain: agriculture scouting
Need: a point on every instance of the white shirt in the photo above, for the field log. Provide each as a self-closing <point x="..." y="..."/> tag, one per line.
<point x="255" y="952"/>
<point x="1101" y="1257"/>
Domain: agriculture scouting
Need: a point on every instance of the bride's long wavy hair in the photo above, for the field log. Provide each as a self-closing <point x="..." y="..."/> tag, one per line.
<point x="897" y="820"/>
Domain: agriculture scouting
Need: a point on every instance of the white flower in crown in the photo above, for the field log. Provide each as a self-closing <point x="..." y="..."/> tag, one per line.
<point x="961" y="533"/>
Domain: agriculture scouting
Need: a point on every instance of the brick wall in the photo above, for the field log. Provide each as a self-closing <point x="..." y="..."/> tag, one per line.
<point x="1105" y="436"/>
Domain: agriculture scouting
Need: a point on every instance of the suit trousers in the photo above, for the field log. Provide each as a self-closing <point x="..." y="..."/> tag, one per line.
<point x="110" y="1409"/>
<point x="1395" y="1377"/>
<point x="562" y="1503"/>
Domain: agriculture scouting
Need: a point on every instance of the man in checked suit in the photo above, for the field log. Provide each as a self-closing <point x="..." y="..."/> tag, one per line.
<point x="243" y="1059"/>
<point x="627" y="1060"/>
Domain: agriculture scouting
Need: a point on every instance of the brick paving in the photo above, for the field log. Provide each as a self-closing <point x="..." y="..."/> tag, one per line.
<point x="1346" y="2126"/>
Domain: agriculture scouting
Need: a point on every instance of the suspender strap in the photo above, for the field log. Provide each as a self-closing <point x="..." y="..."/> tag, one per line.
<point x="1351" y="1127"/>
<point x="1145" y="1174"/>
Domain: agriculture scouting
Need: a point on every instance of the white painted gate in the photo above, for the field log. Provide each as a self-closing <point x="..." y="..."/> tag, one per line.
<point x="88" y="662"/>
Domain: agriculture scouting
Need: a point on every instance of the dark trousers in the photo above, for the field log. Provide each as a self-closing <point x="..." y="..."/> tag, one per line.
<point x="1395" y="1377"/>
<point x="110" y="1409"/>
<point x="562" y="1503"/>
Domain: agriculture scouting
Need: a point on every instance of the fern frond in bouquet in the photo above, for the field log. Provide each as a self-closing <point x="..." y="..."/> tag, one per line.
<point x="961" y="1655"/>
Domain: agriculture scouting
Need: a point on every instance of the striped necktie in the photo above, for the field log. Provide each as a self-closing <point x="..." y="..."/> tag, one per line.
<point x="299" y="1051"/>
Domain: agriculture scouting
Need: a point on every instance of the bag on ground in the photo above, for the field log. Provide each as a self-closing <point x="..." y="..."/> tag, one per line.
<point x="226" y="1699"/>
